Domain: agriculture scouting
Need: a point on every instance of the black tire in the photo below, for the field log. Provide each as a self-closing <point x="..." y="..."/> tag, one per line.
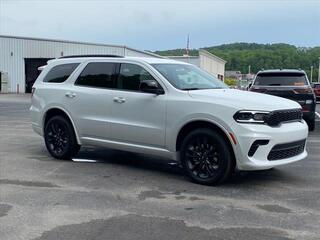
<point x="311" y="124"/>
<point x="206" y="157"/>
<point x="60" y="138"/>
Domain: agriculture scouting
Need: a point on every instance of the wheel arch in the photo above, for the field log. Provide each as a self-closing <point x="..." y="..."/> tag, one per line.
<point x="57" y="111"/>
<point x="196" y="124"/>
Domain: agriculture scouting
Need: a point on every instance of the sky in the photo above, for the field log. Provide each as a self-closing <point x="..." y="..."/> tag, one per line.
<point x="160" y="25"/>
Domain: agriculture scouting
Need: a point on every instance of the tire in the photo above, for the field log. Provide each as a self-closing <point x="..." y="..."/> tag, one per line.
<point x="311" y="124"/>
<point x="60" y="138"/>
<point x="206" y="157"/>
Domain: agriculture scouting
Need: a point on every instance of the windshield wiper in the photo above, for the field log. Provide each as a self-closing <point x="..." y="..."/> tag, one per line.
<point x="188" y="89"/>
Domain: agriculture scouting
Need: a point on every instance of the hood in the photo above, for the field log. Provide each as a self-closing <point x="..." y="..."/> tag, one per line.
<point x="243" y="100"/>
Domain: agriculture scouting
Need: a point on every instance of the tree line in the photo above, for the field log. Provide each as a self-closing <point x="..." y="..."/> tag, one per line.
<point x="240" y="56"/>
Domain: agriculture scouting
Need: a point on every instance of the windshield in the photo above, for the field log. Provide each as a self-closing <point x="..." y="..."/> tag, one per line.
<point x="188" y="77"/>
<point x="284" y="79"/>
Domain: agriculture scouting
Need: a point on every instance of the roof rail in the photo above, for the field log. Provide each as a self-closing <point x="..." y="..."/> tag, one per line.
<point x="92" y="55"/>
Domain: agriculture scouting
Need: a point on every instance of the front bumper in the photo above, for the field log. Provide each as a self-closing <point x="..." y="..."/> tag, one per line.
<point x="247" y="134"/>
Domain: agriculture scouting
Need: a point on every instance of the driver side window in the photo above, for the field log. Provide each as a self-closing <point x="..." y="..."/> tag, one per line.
<point x="131" y="75"/>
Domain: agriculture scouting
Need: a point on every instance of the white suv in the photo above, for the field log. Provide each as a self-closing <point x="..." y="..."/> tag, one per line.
<point x="165" y="108"/>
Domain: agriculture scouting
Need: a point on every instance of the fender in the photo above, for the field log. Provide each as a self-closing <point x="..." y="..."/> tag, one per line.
<point x="67" y="113"/>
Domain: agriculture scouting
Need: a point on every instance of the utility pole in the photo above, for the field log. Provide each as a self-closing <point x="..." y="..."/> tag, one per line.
<point x="249" y="69"/>
<point x="187" y="48"/>
<point x="319" y="72"/>
<point x="311" y="71"/>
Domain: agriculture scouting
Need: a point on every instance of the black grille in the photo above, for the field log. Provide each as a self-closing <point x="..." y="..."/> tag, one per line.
<point x="287" y="150"/>
<point x="277" y="117"/>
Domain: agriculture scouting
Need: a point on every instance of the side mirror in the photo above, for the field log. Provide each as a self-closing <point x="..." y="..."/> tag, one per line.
<point x="151" y="86"/>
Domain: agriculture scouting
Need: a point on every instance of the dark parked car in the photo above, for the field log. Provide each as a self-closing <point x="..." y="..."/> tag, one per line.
<point x="316" y="89"/>
<point x="290" y="84"/>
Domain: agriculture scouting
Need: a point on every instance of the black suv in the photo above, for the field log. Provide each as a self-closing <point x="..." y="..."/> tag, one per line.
<point x="291" y="84"/>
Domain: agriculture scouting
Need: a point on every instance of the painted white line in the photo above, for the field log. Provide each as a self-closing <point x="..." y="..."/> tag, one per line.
<point x="313" y="141"/>
<point x="84" y="160"/>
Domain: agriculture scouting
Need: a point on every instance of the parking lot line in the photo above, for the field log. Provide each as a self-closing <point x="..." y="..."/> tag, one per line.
<point x="318" y="114"/>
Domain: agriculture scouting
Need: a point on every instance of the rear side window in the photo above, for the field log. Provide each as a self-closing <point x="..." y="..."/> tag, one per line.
<point x="281" y="79"/>
<point x="131" y="75"/>
<point x="99" y="74"/>
<point x="60" y="73"/>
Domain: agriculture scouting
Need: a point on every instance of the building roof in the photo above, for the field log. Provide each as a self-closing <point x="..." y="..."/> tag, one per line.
<point x="204" y="52"/>
<point x="201" y="52"/>
<point x="80" y="42"/>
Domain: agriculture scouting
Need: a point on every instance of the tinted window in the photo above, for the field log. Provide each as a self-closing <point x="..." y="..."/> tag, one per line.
<point x="188" y="77"/>
<point x="60" y="73"/>
<point x="131" y="75"/>
<point x="98" y="75"/>
<point x="281" y="79"/>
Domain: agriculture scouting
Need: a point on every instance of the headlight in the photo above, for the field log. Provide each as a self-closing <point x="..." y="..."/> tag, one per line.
<point x="246" y="116"/>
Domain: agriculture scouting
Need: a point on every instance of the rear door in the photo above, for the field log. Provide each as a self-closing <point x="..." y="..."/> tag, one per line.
<point x="89" y="100"/>
<point x="137" y="117"/>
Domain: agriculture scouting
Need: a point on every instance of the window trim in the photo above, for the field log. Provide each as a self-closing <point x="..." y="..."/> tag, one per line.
<point x="114" y="72"/>
<point x="138" y="91"/>
<point x="58" y="65"/>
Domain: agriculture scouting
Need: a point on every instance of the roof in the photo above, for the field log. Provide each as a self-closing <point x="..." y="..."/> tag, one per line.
<point x="149" y="60"/>
<point x="204" y="52"/>
<point x="182" y="57"/>
<point x="80" y="42"/>
<point x="282" y="70"/>
<point x="201" y="52"/>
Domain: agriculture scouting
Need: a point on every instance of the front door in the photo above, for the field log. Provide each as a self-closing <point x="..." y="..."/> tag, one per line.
<point x="137" y="117"/>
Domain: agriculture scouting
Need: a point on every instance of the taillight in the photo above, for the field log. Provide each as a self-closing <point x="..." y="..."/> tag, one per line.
<point x="253" y="89"/>
<point x="302" y="90"/>
<point x="32" y="91"/>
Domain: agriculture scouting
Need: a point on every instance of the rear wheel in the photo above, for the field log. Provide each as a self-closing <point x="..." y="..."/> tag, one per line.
<point x="60" y="138"/>
<point x="206" y="157"/>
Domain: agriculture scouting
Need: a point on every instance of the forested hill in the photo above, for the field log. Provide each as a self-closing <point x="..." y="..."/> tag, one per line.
<point x="259" y="56"/>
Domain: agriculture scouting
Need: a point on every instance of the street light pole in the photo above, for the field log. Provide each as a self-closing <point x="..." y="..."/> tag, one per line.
<point x="311" y="74"/>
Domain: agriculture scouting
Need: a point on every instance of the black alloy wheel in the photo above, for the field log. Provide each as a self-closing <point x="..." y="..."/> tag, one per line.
<point x="60" y="138"/>
<point x="206" y="157"/>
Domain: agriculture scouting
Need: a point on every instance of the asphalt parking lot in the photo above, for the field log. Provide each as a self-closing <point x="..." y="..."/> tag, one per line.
<point x="130" y="196"/>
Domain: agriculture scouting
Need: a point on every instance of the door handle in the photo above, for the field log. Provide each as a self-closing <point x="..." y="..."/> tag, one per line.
<point x="119" y="99"/>
<point x="70" y="94"/>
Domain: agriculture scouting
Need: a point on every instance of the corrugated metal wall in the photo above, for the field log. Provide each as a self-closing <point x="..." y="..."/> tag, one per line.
<point x="211" y="65"/>
<point x="14" y="50"/>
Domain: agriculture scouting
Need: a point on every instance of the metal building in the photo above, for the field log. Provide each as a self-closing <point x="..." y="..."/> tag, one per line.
<point x="20" y="57"/>
<point x="207" y="61"/>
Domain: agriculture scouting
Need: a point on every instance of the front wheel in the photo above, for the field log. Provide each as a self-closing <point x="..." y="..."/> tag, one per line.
<point x="60" y="138"/>
<point x="206" y="157"/>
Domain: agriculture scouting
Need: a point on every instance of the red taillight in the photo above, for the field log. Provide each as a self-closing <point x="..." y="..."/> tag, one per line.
<point x="302" y="90"/>
<point x="32" y="91"/>
<point x="256" y="90"/>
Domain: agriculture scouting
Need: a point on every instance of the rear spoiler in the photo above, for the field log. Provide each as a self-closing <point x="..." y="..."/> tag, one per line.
<point x="41" y="67"/>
